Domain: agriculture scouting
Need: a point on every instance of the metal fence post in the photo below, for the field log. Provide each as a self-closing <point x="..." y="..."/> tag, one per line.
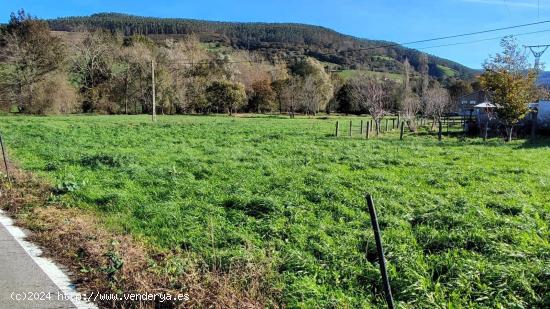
<point x="380" y="251"/>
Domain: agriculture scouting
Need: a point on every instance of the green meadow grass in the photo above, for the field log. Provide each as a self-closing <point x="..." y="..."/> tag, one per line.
<point x="448" y="72"/>
<point x="464" y="223"/>
<point x="347" y="74"/>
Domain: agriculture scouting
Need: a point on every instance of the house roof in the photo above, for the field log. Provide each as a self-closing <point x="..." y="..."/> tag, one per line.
<point x="487" y="104"/>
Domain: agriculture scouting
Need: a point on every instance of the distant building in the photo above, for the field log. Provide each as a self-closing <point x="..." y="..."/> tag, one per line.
<point x="477" y="107"/>
<point x="467" y="103"/>
<point x="542" y="110"/>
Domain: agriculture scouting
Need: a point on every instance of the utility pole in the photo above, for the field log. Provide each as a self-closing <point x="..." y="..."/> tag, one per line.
<point x="154" y="95"/>
<point x="538" y="51"/>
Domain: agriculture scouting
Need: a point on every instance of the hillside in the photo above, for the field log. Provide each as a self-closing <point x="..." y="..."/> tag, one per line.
<point x="544" y="79"/>
<point x="275" y="40"/>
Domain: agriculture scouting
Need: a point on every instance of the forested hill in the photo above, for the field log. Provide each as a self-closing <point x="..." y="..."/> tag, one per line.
<point x="280" y="40"/>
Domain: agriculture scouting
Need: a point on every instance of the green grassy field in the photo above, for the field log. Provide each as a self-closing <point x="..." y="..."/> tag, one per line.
<point x="446" y="71"/>
<point x="465" y="223"/>
<point x="393" y="76"/>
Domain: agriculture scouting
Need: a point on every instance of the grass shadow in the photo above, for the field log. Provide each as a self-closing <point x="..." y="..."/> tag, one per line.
<point x="539" y="142"/>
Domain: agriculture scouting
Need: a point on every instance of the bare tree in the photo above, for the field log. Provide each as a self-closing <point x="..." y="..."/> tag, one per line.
<point x="424" y="72"/>
<point x="411" y="104"/>
<point x="406" y="78"/>
<point x="370" y="91"/>
<point x="92" y="64"/>
<point x="437" y="102"/>
<point x="289" y="93"/>
<point x="315" y="94"/>
<point x="411" y="107"/>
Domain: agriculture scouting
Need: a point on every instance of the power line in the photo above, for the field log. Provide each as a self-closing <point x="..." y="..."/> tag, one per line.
<point x="456" y="35"/>
<point x="438" y="38"/>
<point x="483" y="40"/>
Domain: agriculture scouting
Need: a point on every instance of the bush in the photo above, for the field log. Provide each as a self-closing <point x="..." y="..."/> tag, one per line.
<point x="54" y="95"/>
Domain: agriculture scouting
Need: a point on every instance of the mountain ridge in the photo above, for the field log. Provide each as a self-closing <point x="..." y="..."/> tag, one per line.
<point x="275" y="40"/>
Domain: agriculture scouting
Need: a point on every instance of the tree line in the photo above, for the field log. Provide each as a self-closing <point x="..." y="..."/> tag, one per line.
<point x="271" y="39"/>
<point x="105" y="72"/>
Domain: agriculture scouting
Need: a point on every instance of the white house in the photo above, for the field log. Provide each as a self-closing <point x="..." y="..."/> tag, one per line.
<point x="466" y="103"/>
<point x="543" y="114"/>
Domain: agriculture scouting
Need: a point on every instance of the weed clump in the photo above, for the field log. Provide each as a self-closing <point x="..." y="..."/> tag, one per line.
<point x="505" y="208"/>
<point x="104" y="160"/>
<point x="256" y="207"/>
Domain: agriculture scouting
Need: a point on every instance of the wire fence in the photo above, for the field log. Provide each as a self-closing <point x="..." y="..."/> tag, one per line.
<point x="367" y="128"/>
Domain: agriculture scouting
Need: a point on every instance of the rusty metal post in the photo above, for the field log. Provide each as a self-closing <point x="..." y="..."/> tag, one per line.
<point x="380" y="251"/>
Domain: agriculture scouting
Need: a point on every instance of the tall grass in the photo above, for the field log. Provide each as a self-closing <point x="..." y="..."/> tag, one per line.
<point x="465" y="223"/>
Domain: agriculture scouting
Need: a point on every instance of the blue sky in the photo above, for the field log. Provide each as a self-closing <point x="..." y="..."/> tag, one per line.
<point x="392" y="20"/>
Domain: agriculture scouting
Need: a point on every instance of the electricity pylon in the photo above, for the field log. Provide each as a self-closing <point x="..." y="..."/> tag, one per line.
<point x="538" y="51"/>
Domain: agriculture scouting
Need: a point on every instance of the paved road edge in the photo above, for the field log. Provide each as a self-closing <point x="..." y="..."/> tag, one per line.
<point x="58" y="277"/>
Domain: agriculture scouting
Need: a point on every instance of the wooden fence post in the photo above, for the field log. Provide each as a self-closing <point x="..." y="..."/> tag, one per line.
<point x="361" y="127"/>
<point x="350" y="125"/>
<point x="154" y="114"/>
<point x="440" y="133"/>
<point x="368" y="130"/>
<point x="393" y="123"/>
<point x="402" y="128"/>
<point x="371" y="125"/>
<point x="5" y="159"/>
<point x="337" y="128"/>
<point x="380" y="251"/>
<point x="386" y="124"/>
